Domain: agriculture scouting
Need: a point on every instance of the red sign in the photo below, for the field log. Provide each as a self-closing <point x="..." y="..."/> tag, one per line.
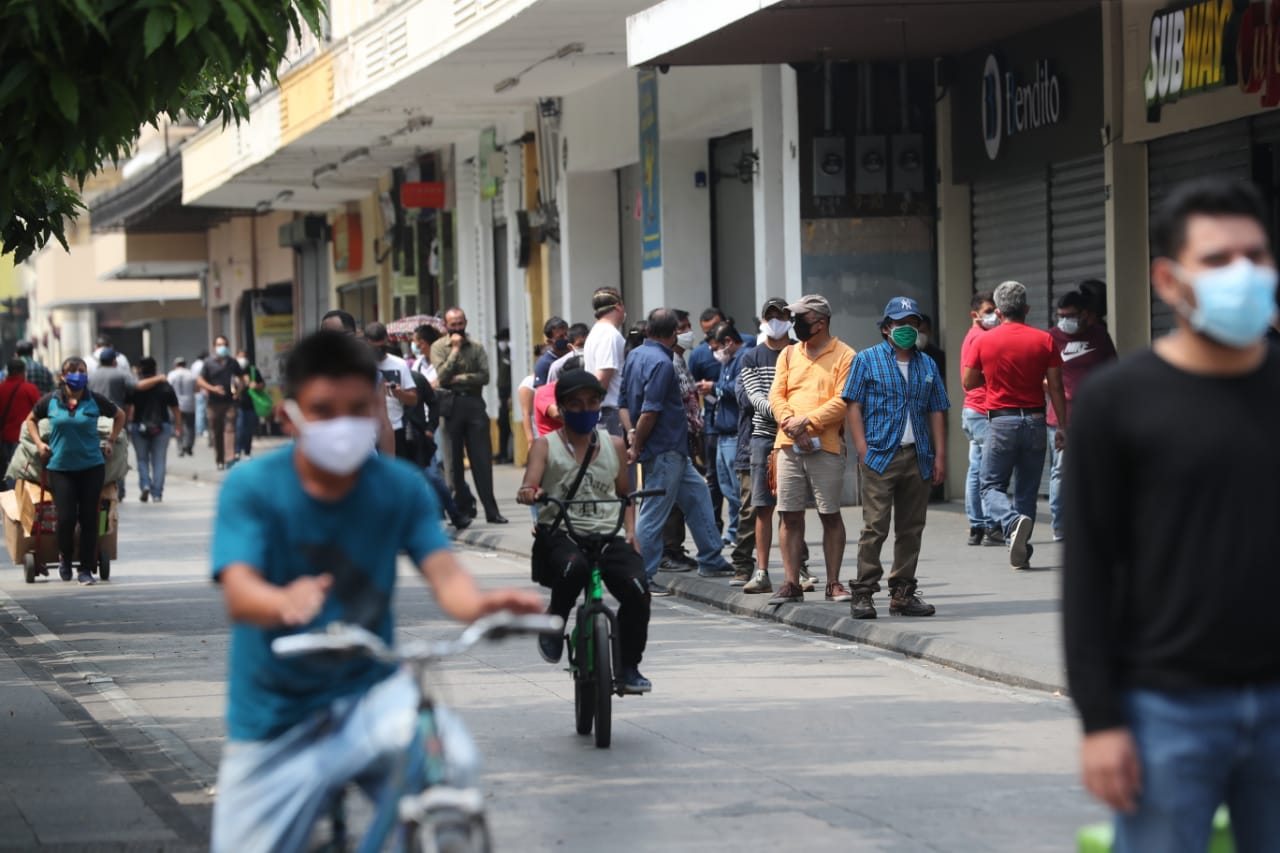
<point x="428" y="194"/>
<point x="348" y="243"/>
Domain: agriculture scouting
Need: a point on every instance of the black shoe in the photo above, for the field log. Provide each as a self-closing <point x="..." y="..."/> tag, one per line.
<point x="496" y="519"/>
<point x="64" y="570"/>
<point x="903" y="601"/>
<point x="975" y="535"/>
<point x="460" y="522"/>
<point x="144" y="496"/>
<point x="551" y="647"/>
<point x="670" y="564"/>
<point x="995" y="536"/>
<point x="861" y="606"/>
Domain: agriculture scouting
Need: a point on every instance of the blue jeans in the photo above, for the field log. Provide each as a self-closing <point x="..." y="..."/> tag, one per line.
<point x="1198" y="750"/>
<point x="674" y="472"/>
<point x="436" y="480"/>
<point x="153" y="453"/>
<point x="1013" y="449"/>
<point x="246" y="428"/>
<point x="975" y="427"/>
<point x="726" y="456"/>
<point x="272" y="792"/>
<point x="202" y="414"/>
<point x="1055" y="483"/>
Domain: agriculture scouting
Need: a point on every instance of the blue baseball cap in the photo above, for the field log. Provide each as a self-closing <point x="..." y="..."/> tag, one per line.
<point x="900" y="307"/>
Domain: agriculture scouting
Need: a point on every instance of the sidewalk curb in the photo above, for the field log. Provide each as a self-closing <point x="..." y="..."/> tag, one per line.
<point x="833" y="620"/>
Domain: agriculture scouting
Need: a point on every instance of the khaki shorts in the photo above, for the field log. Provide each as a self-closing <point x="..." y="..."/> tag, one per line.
<point x="821" y="472"/>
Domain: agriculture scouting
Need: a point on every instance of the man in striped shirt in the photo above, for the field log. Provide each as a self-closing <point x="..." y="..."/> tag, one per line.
<point x="896" y="400"/>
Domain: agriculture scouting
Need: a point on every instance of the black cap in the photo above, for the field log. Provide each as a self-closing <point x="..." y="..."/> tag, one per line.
<point x="775" y="302"/>
<point x="570" y="381"/>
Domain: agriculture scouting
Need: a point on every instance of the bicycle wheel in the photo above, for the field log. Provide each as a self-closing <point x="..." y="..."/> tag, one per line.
<point x="603" y="682"/>
<point x="584" y="697"/>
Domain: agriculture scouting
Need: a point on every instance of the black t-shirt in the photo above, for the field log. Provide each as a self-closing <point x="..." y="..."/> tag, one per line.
<point x="153" y="405"/>
<point x="251" y="375"/>
<point x="222" y="372"/>
<point x="1172" y="506"/>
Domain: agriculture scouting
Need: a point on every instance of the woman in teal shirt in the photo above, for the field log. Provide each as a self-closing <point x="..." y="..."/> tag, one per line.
<point x="75" y="461"/>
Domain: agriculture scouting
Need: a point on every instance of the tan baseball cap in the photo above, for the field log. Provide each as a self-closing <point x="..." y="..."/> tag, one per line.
<point x="813" y="302"/>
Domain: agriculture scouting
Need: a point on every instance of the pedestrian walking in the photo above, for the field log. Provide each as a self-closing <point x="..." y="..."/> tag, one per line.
<point x="246" y="411"/>
<point x="75" y="461"/>
<point x="183" y="381"/>
<point x="973" y="420"/>
<point x="154" y="418"/>
<point x="660" y="444"/>
<point x="17" y="398"/>
<point x="897" y="399"/>
<point x="1084" y="345"/>
<point x="219" y="378"/>
<point x="103" y="344"/>
<point x="1014" y="362"/>
<point x="809" y="448"/>
<point x="463" y="368"/>
<point x="397" y="384"/>
<point x="1170" y="510"/>
<point x="604" y="354"/>
<point x="37" y="374"/>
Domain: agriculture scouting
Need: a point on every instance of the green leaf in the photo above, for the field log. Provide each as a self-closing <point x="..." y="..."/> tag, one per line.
<point x="13" y="79"/>
<point x="64" y="94"/>
<point x="159" y="24"/>
<point x="184" y="26"/>
<point x="237" y="18"/>
<point x="91" y="15"/>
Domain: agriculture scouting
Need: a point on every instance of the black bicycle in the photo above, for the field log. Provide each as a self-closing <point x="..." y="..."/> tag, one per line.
<point x="595" y="675"/>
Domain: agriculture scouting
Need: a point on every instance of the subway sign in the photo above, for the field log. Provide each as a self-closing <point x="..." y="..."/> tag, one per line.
<point x="1211" y="45"/>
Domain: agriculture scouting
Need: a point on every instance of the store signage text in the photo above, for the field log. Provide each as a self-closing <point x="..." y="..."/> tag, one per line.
<point x="1011" y="105"/>
<point x="1211" y="45"/>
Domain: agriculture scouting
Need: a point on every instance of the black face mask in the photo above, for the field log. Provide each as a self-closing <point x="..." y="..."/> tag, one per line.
<point x="462" y="332"/>
<point x="560" y="345"/>
<point x="803" y="328"/>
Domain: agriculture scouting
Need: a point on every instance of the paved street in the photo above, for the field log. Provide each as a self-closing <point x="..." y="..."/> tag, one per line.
<point x="757" y="736"/>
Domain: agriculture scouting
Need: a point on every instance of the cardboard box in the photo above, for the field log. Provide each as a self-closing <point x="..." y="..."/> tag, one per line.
<point x="15" y="539"/>
<point x="30" y="494"/>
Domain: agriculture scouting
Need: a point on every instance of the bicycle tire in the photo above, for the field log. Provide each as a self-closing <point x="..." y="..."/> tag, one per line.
<point x="584" y="697"/>
<point x="603" y="681"/>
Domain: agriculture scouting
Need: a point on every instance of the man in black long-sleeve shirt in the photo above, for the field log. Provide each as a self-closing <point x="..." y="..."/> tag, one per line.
<point x="1173" y="544"/>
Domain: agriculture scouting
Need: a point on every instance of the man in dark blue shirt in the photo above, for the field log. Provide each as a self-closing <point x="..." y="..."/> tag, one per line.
<point x="556" y="330"/>
<point x="896" y="402"/>
<point x="660" y="444"/>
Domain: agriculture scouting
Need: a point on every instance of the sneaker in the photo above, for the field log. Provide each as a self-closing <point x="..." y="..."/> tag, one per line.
<point x="671" y="564"/>
<point x="144" y="495"/>
<point x="460" y="522"/>
<point x="551" y="647"/>
<point x="759" y="583"/>
<point x="788" y="592"/>
<point x="633" y="683"/>
<point x="807" y="581"/>
<point x="995" y="536"/>
<point x="837" y="592"/>
<point x="86" y="578"/>
<point x="862" y="606"/>
<point x="976" y="535"/>
<point x="903" y="601"/>
<point x="658" y="590"/>
<point x="64" y="570"/>
<point x="722" y="571"/>
<point x="1018" y="556"/>
<point x="740" y="577"/>
<point x="1059" y="536"/>
<point x="156" y="499"/>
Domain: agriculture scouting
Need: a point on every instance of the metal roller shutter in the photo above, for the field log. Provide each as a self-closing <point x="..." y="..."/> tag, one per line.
<point x="1077" y="221"/>
<point x="1221" y="151"/>
<point x="1011" y="237"/>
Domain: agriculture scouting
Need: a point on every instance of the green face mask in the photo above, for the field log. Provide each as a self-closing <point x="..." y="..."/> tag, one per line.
<point x="904" y="336"/>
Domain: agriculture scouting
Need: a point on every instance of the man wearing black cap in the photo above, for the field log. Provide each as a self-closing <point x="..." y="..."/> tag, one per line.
<point x="555" y="463"/>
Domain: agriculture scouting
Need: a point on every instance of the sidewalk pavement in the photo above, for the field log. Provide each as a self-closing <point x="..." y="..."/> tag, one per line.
<point x="992" y="621"/>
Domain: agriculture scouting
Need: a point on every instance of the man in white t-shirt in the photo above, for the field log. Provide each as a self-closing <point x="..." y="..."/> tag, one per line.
<point x="605" y="353"/>
<point x="397" y="382"/>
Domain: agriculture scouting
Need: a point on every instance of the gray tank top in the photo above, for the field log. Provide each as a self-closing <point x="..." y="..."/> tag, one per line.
<point x="600" y="483"/>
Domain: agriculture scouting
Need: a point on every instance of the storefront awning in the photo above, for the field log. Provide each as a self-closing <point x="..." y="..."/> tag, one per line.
<point x="151" y="202"/>
<point x="126" y="292"/>
<point x="766" y="32"/>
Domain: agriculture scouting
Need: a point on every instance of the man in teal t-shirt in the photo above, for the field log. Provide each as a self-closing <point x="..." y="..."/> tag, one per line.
<point x="306" y="536"/>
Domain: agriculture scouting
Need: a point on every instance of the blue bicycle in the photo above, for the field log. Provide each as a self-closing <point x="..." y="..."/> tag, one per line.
<point x="421" y="812"/>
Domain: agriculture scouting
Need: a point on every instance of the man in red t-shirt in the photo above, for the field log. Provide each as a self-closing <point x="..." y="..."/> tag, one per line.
<point x="982" y="530"/>
<point x="1084" y="345"/>
<point x="1014" y="361"/>
<point x="17" y="398"/>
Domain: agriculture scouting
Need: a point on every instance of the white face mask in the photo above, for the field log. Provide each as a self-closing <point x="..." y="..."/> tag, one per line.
<point x="684" y="340"/>
<point x="1069" y="325"/>
<point x="990" y="321"/>
<point x="243" y="362"/>
<point x="723" y="356"/>
<point x="922" y="340"/>
<point x="339" y="445"/>
<point x="776" y="329"/>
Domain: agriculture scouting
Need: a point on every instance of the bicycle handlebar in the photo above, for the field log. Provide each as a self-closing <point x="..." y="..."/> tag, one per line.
<point x="623" y="503"/>
<point x="345" y="638"/>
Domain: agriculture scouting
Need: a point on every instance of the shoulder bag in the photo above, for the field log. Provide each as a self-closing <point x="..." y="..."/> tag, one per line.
<point x="263" y="405"/>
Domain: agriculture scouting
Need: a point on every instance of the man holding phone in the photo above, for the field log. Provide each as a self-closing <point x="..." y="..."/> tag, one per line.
<point x="397" y="383"/>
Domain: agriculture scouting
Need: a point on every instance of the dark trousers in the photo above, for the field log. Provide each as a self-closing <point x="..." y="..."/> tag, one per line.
<point x="7" y="449"/>
<point x="744" y="553"/>
<point x="246" y="428"/>
<point x="673" y="534"/>
<point x="622" y="571"/>
<point x="75" y="499"/>
<point x="468" y="428"/>
<point x="505" y="452"/>
<point x="219" y="409"/>
<point x="403" y="450"/>
<point x="188" y="431"/>
<point x="711" y="447"/>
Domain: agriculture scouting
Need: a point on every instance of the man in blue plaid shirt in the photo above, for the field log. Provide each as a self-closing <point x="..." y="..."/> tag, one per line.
<point x="896" y="402"/>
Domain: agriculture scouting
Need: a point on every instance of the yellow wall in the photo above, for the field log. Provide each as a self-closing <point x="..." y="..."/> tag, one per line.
<point x="9" y="286"/>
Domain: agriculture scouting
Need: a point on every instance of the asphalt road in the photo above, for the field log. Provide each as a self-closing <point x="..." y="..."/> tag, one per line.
<point x="756" y="737"/>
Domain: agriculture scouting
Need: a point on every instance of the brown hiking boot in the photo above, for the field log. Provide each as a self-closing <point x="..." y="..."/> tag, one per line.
<point x="903" y="601"/>
<point x="837" y="592"/>
<point x="862" y="607"/>
<point x="788" y="592"/>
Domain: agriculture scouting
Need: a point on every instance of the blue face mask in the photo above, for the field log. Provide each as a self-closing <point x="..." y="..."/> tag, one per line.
<point x="223" y="351"/>
<point x="583" y="423"/>
<point x="1234" y="304"/>
<point x="76" y="381"/>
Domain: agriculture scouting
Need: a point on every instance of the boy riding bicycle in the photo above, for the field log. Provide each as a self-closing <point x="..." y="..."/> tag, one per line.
<point x="307" y="536"/>
<point x="557" y="460"/>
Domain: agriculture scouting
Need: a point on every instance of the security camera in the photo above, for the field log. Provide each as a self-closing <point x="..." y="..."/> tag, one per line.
<point x="663" y="69"/>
